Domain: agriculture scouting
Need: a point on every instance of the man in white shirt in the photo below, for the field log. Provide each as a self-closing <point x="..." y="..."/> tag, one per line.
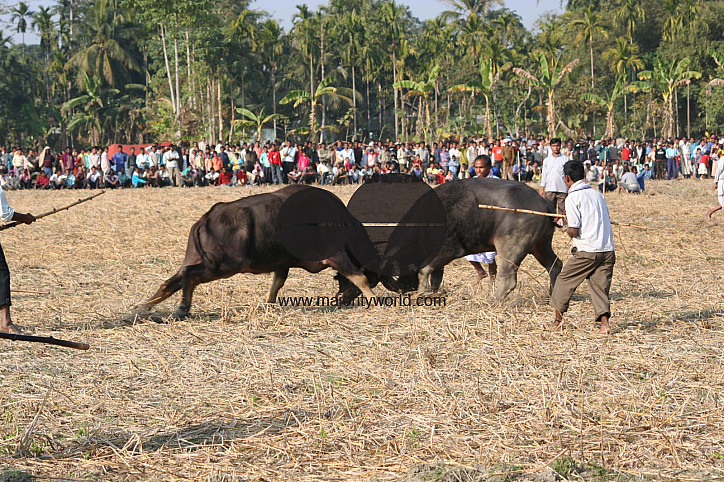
<point x="142" y="160"/>
<point x="593" y="254"/>
<point x="170" y="159"/>
<point x="8" y="214"/>
<point x="552" y="186"/>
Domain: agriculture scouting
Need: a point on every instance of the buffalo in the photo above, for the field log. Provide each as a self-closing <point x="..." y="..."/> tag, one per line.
<point x="243" y="237"/>
<point x="471" y="229"/>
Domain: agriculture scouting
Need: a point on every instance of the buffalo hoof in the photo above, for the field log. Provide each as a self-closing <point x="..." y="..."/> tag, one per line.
<point x="181" y="314"/>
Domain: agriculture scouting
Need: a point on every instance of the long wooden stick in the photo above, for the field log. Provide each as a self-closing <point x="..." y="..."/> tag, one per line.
<point x="55" y="210"/>
<point x="45" y="339"/>
<point x="550" y="215"/>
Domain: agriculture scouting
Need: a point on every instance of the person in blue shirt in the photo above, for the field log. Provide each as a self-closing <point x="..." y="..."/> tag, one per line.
<point x="69" y="180"/>
<point x="119" y="159"/>
<point x="672" y="152"/>
<point x="123" y="178"/>
<point x="137" y="180"/>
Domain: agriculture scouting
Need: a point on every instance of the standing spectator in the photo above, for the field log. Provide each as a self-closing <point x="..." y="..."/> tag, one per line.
<point x="672" y="152"/>
<point x="119" y="159"/>
<point x="553" y="187"/>
<point x="105" y="162"/>
<point x="94" y="178"/>
<point x="131" y="161"/>
<point x="170" y="161"/>
<point x="275" y="160"/>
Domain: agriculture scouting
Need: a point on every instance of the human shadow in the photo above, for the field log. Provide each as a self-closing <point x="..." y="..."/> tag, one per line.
<point x="217" y="433"/>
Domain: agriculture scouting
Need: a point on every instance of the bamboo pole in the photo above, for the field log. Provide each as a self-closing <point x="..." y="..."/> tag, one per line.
<point x="550" y="215"/>
<point x="54" y="211"/>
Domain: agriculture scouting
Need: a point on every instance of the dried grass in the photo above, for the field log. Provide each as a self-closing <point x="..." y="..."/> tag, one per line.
<point x="246" y="391"/>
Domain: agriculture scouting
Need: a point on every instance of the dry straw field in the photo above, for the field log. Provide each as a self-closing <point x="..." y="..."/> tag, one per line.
<point x="469" y="391"/>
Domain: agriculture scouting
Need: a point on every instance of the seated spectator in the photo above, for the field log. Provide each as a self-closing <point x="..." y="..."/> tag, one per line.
<point x="69" y="179"/>
<point x="432" y="173"/>
<point x="94" y="178"/>
<point x="640" y="178"/>
<point x="137" y="180"/>
<point x="225" y="177"/>
<point x="242" y="178"/>
<point x="324" y="173"/>
<point x="294" y="175"/>
<point x="164" y="177"/>
<point x="25" y="179"/>
<point x="258" y="174"/>
<point x="416" y="171"/>
<point x="212" y="177"/>
<point x="339" y="175"/>
<point x="112" y="181"/>
<point x="309" y="175"/>
<point x="80" y="177"/>
<point x="124" y="179"/>
<point x="519" y="171"/>
<point x="43" y="181"/>
<point x="629" y="182"/>
<point x="354" y="175"/>
<point x="608" y="181"/>
<point x="188" y="177"/>
<point x="57" y="180"/>
<point x="536" y="173"/>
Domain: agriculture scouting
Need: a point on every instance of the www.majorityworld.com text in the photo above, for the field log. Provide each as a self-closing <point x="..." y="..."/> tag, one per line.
<point x="364" y="302"/>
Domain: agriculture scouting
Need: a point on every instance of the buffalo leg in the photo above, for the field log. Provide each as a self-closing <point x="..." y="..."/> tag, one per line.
<point x="360" y="281"/>
<point x="545" y="255"/>
<point x="167" y="288"/>
<point x="436" y="279"/>
<point x="280" y="277"/>
<point x="191" y="278"/>
<point x="511" y="256"/>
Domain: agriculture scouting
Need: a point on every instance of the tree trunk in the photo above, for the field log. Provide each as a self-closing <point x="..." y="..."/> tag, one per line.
<point x="610" y="128"/>
<point x="218" y="102"/>
<point x="591" y="45"/>
<point x="168" y="69"/>
<point x="178" y="92"/>
<point x="551" y="116"/>
<point x="688" y="112"/>
<point x="488" y="124"/>
<point x="676" y="110"/>
<point x="233" y="107"/>
<point x="324" y="99"/>
<point x="394" y="81"/>
<point x="274" y="95"/>
<point x="354" y="102"/>
<point x="369" y="121"/>
<point x="189" y="81"/>
<point x="381" y="108"/>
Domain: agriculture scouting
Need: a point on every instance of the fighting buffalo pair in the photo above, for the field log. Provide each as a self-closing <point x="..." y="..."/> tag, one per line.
<point x="294" y="228"/>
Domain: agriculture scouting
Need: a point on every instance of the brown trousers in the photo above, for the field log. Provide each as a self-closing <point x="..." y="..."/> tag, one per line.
<point x="558" y="199"/>
<point x="598" y="269"/>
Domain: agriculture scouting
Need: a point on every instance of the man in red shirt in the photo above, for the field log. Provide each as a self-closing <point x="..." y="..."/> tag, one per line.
<point x="498" y="155"/>
<point x="225" y="177"/>
<point x="275" y="159"/>
<point x="626" y="152"/>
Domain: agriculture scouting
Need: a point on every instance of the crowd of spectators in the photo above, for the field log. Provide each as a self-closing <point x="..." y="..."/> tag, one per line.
<point x="621" y="164"/>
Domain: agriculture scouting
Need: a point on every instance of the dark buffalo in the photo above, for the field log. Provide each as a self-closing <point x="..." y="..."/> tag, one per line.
<point x="242" y="237"/>
<point x="471" y="229"/>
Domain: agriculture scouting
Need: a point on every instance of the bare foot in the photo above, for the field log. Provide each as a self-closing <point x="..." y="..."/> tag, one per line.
<point x="605" y="329"/>
<point x="12" y="329"/>
<point x="481" y="276"/>
<point x="556" y="325"/>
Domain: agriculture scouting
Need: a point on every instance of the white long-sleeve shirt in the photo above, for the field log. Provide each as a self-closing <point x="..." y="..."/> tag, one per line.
<point x="7" y="212"/>
<point x="552" y="174"/>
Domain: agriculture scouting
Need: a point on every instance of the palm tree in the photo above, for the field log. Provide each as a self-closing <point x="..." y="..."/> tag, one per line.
<point x="665" y="78"/>
<point x="624" y="57"/>
<point x="392" y="18"/>
<point x="270" y="47"/>
<point x="352" y="34"/>
<point x="21" y="13"/>
<point x="609" y="102"/>
<point x="305" y="36"/>
<point x="629" y="13"/>
<point x="468" y="8"/>
<point x="423" y="89"/>
<point x="103" y="55"/>
<point x="324" y="90"/>
<point x="489" y="77"/>
<point x="257" y="121"/>
<point x="588" y="26"/>
<point x="91" y="103"/>
<point x="674" y="19"/>
<point x="548" y="80"/>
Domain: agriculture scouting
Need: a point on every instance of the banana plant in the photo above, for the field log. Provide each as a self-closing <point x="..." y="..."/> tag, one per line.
<point x="423" y="89"/>
<point x="324" y="90"/>
<point x="257" y="121"/>
<point x="665" y="78"/>
<point x="619" y="90"/>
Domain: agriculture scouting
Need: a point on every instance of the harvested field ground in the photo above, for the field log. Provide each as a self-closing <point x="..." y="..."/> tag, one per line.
<point x="246" y="391"/>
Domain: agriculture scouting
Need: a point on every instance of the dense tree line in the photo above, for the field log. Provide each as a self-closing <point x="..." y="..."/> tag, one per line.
<point x="109" y="71"/>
